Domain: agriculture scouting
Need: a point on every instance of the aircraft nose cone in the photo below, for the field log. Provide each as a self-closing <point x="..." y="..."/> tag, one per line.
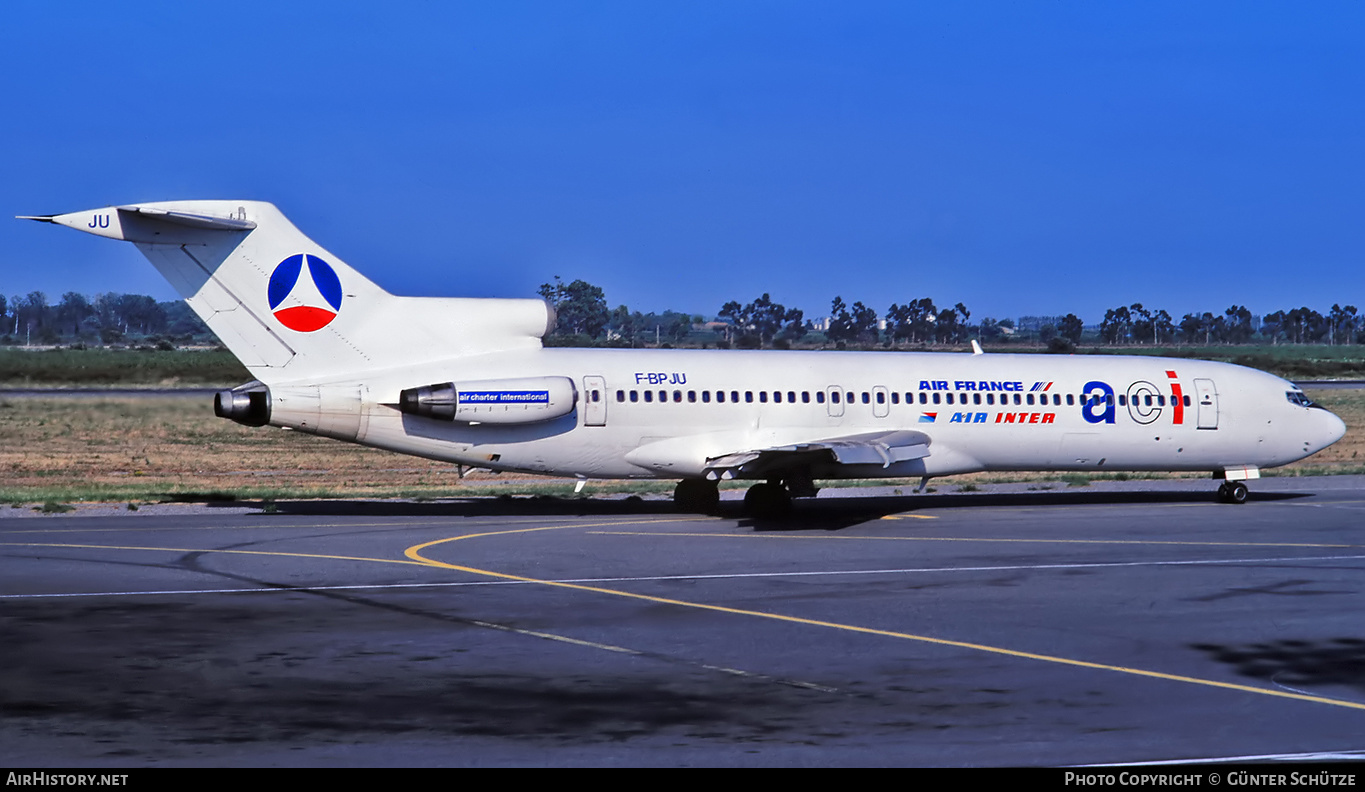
<point x="1335" y="428"/>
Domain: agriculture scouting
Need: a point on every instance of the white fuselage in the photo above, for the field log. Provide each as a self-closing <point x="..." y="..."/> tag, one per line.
<point x="664" y="413"/>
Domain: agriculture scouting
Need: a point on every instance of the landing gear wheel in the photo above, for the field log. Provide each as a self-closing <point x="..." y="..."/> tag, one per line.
<point x="767" y="501"/>
<point x="697" y="495"/>
<point x="1232" y="492"/>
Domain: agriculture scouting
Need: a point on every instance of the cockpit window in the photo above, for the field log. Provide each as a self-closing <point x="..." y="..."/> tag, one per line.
<point x="1298" y="397"/>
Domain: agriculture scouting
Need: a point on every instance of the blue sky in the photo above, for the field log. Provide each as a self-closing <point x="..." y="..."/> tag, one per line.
<point x="1022" y="158"/>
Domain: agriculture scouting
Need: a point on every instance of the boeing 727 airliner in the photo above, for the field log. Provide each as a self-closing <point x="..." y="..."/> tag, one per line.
<point x="467" y="381"/>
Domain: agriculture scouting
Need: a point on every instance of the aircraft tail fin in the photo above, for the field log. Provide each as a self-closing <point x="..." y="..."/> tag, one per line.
<point x="290" y="310"/>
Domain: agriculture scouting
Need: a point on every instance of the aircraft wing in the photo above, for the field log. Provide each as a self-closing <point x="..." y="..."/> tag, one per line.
<point x="871" y="448"/>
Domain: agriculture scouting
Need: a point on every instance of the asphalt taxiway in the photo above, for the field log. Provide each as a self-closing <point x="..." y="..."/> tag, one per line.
<point x="1134" y="622"/>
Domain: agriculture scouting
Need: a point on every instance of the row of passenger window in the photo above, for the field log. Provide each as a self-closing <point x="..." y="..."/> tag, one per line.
<point x="721" y="396"/>
<point x="880" y="397"/>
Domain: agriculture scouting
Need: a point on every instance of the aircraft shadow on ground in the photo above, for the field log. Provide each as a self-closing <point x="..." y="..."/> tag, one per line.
<point x="1297" y="663"/>
<point x="835" y="514"/>
<point x="820" y="514"/>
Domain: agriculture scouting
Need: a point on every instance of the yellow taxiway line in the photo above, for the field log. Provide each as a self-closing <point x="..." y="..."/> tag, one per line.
<point x="415" y="553"/>
<point x="414" y="556"/>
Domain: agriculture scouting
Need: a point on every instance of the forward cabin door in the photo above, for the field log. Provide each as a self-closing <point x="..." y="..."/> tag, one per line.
<point x="594" y="401"/>
<point x="1207" y="395"/>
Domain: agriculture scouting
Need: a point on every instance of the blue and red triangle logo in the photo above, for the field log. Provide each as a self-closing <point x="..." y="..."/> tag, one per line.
<point x="304" y="303"/>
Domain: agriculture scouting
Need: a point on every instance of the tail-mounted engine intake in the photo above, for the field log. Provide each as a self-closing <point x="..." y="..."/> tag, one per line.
<point x="247" y="404"/>
<point x="509" y="401"/>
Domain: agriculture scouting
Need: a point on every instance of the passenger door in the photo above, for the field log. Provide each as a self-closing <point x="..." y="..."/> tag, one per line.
<point x="1207" y="396"/>
<point x="594" y="401"/>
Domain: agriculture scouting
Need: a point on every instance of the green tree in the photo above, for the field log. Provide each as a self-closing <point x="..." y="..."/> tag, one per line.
<point x="1237" y="325"/>
<point x="840" y="322"/>
<point x="760" y="322"/>
<point x="864" y="324"/>
<point x="1116" y="326"/>
<point x="794" y="330"/>
<point x="73" y="311"/>
<point x="945" y="326"/>
<point x="625" y="326"/>
<point x="1071" y="328"/>
<point x="1341" y="324"/>
<point x="1141" y="327"/>
<point x="31" y="315"/>
<point x="1202" y="327"/>
<point x="580" y="306"/>
<point x="669" y="327"/>
<point x="914" y="322"/>
<point x="964" y="328"/>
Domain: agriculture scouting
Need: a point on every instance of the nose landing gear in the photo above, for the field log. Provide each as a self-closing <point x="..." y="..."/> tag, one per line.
<point x="1232" y="492"/>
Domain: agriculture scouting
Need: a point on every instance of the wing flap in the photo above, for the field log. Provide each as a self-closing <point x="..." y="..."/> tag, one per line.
<point x="872" y="448"/>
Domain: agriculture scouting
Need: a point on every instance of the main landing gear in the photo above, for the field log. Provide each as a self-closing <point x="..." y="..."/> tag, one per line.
<point x="1232" y="492"/>
<point x="766" y="501"/>
<point x="772" y="500"/>
<point x="697" y="495"/>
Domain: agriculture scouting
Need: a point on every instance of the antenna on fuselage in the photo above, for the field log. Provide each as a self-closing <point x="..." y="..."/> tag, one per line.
<point x="976" y="348"/>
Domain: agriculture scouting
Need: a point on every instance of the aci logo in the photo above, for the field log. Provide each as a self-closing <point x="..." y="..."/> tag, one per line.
<point x="307" y="303"/>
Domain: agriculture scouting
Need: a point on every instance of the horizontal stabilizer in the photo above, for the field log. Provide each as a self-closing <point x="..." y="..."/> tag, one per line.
<point x="147" y="224"/>
<point x="192" y="220"/>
